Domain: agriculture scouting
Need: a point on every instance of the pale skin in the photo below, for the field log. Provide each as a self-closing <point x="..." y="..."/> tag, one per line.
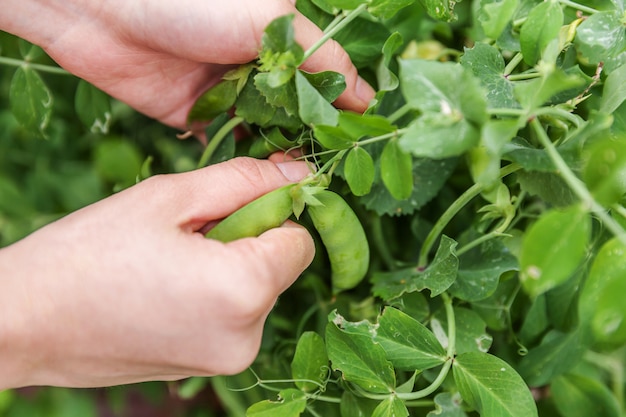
<point x="128" y="289"/>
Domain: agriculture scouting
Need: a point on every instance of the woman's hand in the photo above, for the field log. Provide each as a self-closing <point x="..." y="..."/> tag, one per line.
<point x="158" y="56"/>
<point x="129" y="290"/>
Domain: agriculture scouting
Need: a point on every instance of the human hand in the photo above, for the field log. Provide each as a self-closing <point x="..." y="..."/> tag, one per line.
<point x="127" y="290"/>
<point x="158" y="56"/>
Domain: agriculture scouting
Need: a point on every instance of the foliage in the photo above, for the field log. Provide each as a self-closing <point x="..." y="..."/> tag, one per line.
<point x="488" y="175"/>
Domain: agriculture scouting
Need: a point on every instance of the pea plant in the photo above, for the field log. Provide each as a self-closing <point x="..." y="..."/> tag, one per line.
<point x="470" y="224"/>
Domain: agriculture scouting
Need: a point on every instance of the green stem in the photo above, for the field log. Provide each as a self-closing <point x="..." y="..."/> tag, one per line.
<point x="452" y="211"/>
<point x="419" y="403"/>
<point x="575" y="184"/>
<point x="336" y="27"/>
<point x="39" y="67"/>
<point x="513" y="63"/>
<point x="478" y="241"/>
<point x="215" y="141"/>
<point x="578" y="6"/>
<point x="396" y="115"/>
<point x="523" y="76"/>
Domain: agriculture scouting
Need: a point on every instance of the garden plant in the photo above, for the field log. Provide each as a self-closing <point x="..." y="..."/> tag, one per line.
<point x="470" y="225"/>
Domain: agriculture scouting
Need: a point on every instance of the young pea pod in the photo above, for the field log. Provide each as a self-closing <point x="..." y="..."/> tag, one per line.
<point x="266" y="212"/>
<point x="344" y="239"/>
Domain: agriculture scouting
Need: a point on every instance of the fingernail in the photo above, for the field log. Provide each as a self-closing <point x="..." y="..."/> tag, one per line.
<point x="364" y="91"/>
<point x="294" y="170"/>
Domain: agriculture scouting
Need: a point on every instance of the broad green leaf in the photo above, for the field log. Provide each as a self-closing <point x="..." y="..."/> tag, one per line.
<point x="443" y="88"/>
<point x="480" y="270"/>
<point x="448" y="405"/>
<point x="494" y="309"/>
<point x="330" y="84"/>
<point x="290" y="403"/>
<point x="353" y="406"/>
<point x="345" y="4"/>
<point x="386" y="9"/>
<point x="309" y="367"/>
<point x="494" y="16"/>
<point x="93" y="107"/>
<point x="601" y="305"/>
<point x="333" y="137"/>
<point x="396" y="170"/>
<point x="471" y="332"/>
<point x="562" y="303"/>
<point x="437" y="277"/>
<point x="553" y="248"/>
<point x="581" y="396"/>
<point x="360" y="360"/>
<point x="391" y="407"/>
<point x="485" y="159"/>
<point x="548" y="186"/>
<point x="492" y="387"/>
<point x="283" y="95"/>
<point x="359" y="171"/>
<point x="215" y="101"/>
<point x="605" y="170"/>
<point x="253" y="106"/>
<point x="365" y="125"/>
<point x="535" y="322"/>
<point x="388" y="80"/>
<point x="429" y="176"/>
<point x="408" y="344"/>
<point x="30" y="100"/>
<point x="439" y="136"/>
<point x="364" y="41"/>
<point x="487" y="64"/>
<point x="601" y="37"/>
<point x="557" y="354"/>
<point x="541" y="27"/>
<point x="441" y="9"/>
<point x="225" y="150"/>
<point x="614" y="90"/>
<point x="314" y="109"/>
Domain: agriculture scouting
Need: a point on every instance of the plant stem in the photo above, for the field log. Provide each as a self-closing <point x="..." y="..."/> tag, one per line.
<point x="578" y="6"/>
<point x="217" y="139"/>
<point x="419" y="403"/>
<point x="452" y="211"/>
<point x="396" y="115"/>
<point x="514" y="62"/>
<point x="39" y="67"/>
<point x="478" y="241"/>
<point x="523" y="76"/>
<point x="336" y="27"/>
<point x="575" y="184"/>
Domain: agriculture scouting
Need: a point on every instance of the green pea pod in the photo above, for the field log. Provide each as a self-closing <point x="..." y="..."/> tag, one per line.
<point x="344" y="239"/>
<point x="273" y="141"/>
<point x="266" y="212"/>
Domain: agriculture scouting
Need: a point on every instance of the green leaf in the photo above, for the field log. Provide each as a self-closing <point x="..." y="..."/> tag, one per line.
<point x="487" y="64"/>
<point x="391" y="407"/>
<point x="385" y="9"/>
<point x="485" y="159"/>
<point x="283" y="95"/>
<point x="360" y="360"/>
<point x="408" y="344"/>
<point x="602" y="305"/>
<point x="93" y="107"/>
<point x="364" y="41"/>
<point x="429" y="176"/>
<point x="31" y="100"/>
<point x="215" y="101"/>
<point x="535" y="93"/>
<point x="439" y="136"/>
<point x="279" y="36"/>
<point x="438" y="277"/>
<point x="353" y="406"/>
<point x="396" y="170"/>
<point x="330" y="84"/>
<point x="492" y="387"/>
<point x="448" y="405"/>
<point x="605" y="170"/>
<point x="387" y="79"/>
<point x="359" y="171"/>
<point x="601" y="37"/>
<point x="344" y="4"/>
<point x="365" y="125"/>
<point x="553" y="248"/>
<point x="494" y="16"/>
<point x="333" y="137"/>
<point x="309" y="367"/>
<point x="314" y="109"/>
<point x="441" y="9"/>
<point x="480" y="270"/>
<point x="581" y="396"/>
<point x="541" y="27"/>
<point x="614" y="91"/>
<point x="558" y="353"/>
<point x="471" y="332"/>
<point x="291" y="403"/>
<point x="548" y="186"/>
<point x="118" y="161"/>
